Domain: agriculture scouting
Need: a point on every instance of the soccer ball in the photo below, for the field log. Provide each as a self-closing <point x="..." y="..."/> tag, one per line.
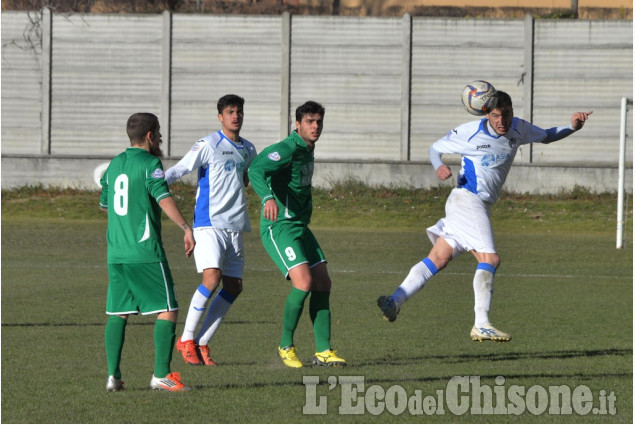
<point x="476" y="96"/>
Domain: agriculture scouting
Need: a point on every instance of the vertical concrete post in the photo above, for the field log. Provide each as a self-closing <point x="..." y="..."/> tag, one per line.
<point x="620" y="175"/>
<point x="166" y="82"/>
<point x="285" y="75"/>
<point x="574" y="8"/>
<point x="406" y="85"/>
<point x="46" y="60"/>
<point x="528" y="80"/>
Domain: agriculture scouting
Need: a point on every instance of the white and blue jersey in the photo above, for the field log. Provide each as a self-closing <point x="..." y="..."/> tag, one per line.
<point x="487" y="157"/>
<point x="220" y="196"/>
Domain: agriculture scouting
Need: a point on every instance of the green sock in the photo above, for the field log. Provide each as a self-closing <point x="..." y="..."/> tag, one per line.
<point x="114" y="337"/>
<point x="292" y="312"/>
<point x="164" y="337"/>
<point x="320" y="313"/>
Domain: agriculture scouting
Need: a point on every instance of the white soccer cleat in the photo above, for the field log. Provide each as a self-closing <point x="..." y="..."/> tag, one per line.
<point x="114" y="384"/>
<point x="487" y="332"/>
<point x="171" y="383"/>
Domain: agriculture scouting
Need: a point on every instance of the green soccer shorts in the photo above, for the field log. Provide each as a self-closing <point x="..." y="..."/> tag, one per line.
<point x="290" y="244"/>
<point x="145" y="288"/>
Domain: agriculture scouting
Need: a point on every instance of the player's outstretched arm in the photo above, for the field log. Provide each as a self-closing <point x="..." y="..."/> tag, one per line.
<point x="579" y="118"/>
<point x="172" y="211"/>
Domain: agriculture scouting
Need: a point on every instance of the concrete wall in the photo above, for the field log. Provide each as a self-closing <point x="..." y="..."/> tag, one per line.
<point x="71" y="172"/>
<point x="391" y="86"/>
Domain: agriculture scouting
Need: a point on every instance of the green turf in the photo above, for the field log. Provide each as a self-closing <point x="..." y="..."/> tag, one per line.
<point x="563" y="291"/>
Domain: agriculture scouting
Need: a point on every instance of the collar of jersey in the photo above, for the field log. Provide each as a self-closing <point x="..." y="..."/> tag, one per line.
<point x="299" y="140"/>
<point x="222" y="136"/>
<point x="483" y="127"/>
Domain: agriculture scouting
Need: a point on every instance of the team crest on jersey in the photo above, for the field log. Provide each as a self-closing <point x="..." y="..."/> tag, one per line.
<point x="158" y="174"/>
<point x="274" y="156"/>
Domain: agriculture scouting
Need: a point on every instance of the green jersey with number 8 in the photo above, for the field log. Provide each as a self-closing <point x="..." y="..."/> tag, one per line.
<point x="132" y="187"/>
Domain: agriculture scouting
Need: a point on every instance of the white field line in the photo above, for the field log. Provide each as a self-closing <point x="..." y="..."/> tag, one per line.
<point x="344" y="271"/>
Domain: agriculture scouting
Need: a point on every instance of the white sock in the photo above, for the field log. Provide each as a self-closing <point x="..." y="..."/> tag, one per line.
<point x="483" y="290"/>
<point x="196" y="310"/>
<point x="217" y="311"/>
<point x="419" y="274"/>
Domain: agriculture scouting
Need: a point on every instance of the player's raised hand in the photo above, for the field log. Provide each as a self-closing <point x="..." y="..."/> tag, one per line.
<point x="444" y="172"/>
<point x="579" y="118"/>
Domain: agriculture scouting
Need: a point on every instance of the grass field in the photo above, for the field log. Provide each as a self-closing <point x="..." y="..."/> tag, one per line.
<point x="563" y="291"/>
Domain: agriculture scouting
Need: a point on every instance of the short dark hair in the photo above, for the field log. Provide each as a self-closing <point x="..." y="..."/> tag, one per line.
<point x="499" y="100"/>
<point x="139" y="124"/>
<point x="309" y="108"/>
<point x="229" y="100"/>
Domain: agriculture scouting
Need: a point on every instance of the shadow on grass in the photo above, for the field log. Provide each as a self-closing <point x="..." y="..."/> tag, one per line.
<point x="132" y="323"/>
<point x="464" y="358"/>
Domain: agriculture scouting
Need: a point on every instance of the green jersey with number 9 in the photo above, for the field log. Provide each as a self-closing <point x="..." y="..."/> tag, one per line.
<point x="132" y="187"/>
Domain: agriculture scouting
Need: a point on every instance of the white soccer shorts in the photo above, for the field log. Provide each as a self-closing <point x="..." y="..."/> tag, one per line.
<point x="466" y="225"/>
<point x="219" y="249"/>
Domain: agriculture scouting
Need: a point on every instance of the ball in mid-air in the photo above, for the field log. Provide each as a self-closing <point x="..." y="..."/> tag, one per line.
<point x="476" y="97"/>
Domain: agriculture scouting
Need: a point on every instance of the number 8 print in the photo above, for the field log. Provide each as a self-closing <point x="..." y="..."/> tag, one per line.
<point x="121" y="195"/>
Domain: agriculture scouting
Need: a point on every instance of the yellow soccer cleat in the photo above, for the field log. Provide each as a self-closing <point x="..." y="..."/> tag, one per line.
<point x="328" y="358"/>
<point x="289" y="357"/>
<point x="487" y="332"/>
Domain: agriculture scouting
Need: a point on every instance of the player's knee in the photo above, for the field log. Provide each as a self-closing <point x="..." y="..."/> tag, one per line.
<point x="237" y="288"/>
<point x="439" y="261"/>
<point x="170" y="316"/>
<point x="211" y="279"/>
<point x="493" y="259"/>
<point x="233" y="285"/>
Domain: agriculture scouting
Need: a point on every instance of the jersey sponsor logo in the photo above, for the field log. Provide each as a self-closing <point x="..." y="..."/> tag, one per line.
<point x="307" y="174"/>
<point x="229" y="165"/>
<point x="228" y="153"/>
<point x="196" y="147"/>
<point x="483" y="146"/>
<point x="274" y="156"/>
<point x="158" y="174"/>
<point x="490" y="160"/>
